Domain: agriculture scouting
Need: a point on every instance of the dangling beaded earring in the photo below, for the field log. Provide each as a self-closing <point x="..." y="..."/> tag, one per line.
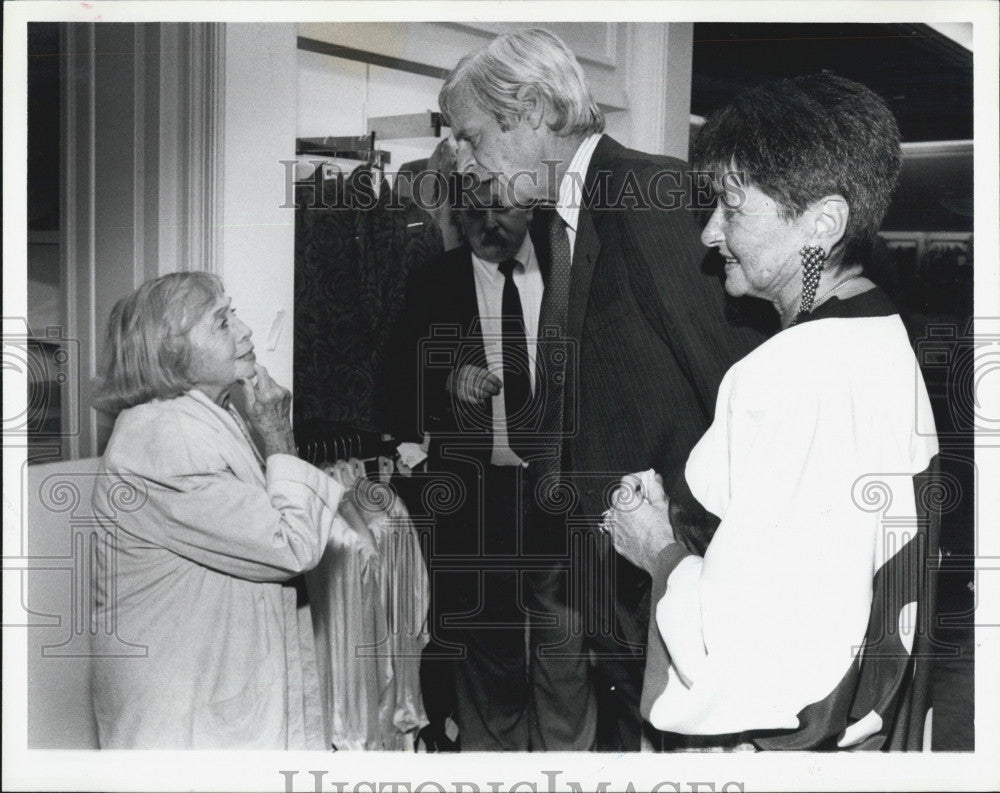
<point x="813" y="257"/>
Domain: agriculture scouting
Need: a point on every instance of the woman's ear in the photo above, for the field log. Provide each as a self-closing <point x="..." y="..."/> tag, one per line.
<point x="831" y="214"/>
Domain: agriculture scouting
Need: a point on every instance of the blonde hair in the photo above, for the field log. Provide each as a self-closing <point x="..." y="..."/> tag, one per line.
<point x="146" y="353"/>
<point x="495" y="74"/>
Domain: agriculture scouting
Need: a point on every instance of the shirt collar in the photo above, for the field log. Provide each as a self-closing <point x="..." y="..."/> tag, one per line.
<point x="571" y="186"/>
<point x="525" y="255"/>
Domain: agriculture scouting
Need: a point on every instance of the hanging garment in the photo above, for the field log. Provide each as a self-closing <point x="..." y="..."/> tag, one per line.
<point x="405" y="598"/>
<point x="355" y="249"/>
<point x="369" y="598"/>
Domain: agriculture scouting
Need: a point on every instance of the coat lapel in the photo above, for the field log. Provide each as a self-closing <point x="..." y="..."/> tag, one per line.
<point x="467" y="303"/>
<point x="585" y="251"/>
<point x="235" y="446"/>
<point x="469" y="346"/>
<point x="588" y="244"/>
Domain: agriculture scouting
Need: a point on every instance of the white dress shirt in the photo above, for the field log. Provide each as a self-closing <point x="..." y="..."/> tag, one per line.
<point x="489" y="296"/>
<point x="571" y="188"/>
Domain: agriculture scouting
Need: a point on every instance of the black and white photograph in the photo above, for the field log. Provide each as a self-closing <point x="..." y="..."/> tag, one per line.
<point x="595" y="397"/>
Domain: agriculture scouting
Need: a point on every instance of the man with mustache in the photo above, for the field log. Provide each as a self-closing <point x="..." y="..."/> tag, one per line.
<point x="470" y="331"/>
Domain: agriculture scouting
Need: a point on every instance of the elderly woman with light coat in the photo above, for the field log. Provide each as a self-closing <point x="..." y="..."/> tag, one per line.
<point x="198" y="639"/>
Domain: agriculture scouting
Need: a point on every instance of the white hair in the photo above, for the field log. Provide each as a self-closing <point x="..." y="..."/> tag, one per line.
<point x="496" y="74"/>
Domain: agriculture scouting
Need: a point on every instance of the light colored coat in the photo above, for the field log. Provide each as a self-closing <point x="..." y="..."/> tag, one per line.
<point x="199" y="542"/>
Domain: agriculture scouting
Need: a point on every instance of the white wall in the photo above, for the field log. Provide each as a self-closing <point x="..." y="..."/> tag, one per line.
<point x="258" y="236"/>
<point x="600" y="46"/>
<point x="658" y="81"/>
<point x="337" y="97"/>
<point x="640" y="73"/>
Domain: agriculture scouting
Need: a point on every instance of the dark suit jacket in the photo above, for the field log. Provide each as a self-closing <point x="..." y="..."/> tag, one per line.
<point x="439" y="332"/>
<point x="652" y="341"/>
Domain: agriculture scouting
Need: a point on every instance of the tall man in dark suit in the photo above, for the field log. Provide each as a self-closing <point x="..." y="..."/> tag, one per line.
<point x="467" y="371"/>
<point x="646" y="339"/>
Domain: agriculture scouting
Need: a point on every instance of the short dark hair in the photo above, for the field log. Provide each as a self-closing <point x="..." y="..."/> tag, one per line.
<point x="806" y="137"/>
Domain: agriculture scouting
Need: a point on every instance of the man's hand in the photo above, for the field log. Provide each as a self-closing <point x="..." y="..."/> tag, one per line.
<point x="269" y="412"/>
<point x="473" y="384"/>
<point x="639" y="519"/>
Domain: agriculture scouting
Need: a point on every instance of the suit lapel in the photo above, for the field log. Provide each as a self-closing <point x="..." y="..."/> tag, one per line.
<point x="585" y="251"/>
<point x="470" y="348"/>
<point x="588" y="243"/>
<point x="467" y="303"/>
<point x="539" y="233"/>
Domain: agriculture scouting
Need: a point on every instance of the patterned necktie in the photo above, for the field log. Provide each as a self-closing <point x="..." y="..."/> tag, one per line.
<point x="552" y="352"/>
<point x="514" y="346"/>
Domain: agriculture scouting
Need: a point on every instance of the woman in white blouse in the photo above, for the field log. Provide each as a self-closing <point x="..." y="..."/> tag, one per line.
<point x="795" y="627"/>
<point x="202" y="532"/>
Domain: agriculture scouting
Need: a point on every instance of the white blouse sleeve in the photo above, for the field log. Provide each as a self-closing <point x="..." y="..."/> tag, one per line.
<point x="771" y="619"/>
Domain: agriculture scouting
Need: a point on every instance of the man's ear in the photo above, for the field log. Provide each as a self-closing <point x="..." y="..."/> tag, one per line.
<point x="831" y="214"/>
<point x="534" y="104"/>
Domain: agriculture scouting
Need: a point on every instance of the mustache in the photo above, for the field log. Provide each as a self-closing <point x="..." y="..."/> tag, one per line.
<point x="494" y="237"/>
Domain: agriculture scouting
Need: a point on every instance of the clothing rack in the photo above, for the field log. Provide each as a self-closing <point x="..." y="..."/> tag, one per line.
<point x="322" y="441"/>
<point x="409" y="125"/>
<point x="350" y="147"/>
<point x="362" y="147"/>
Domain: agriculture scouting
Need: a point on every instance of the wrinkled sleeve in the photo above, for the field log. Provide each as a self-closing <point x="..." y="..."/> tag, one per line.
<point x="771" y="618"/>
<point x="195" y="506"/>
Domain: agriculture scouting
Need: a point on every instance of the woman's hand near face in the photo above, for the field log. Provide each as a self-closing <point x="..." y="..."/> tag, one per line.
<point x="639" y="519"/>
<point x="269" y="412"/>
